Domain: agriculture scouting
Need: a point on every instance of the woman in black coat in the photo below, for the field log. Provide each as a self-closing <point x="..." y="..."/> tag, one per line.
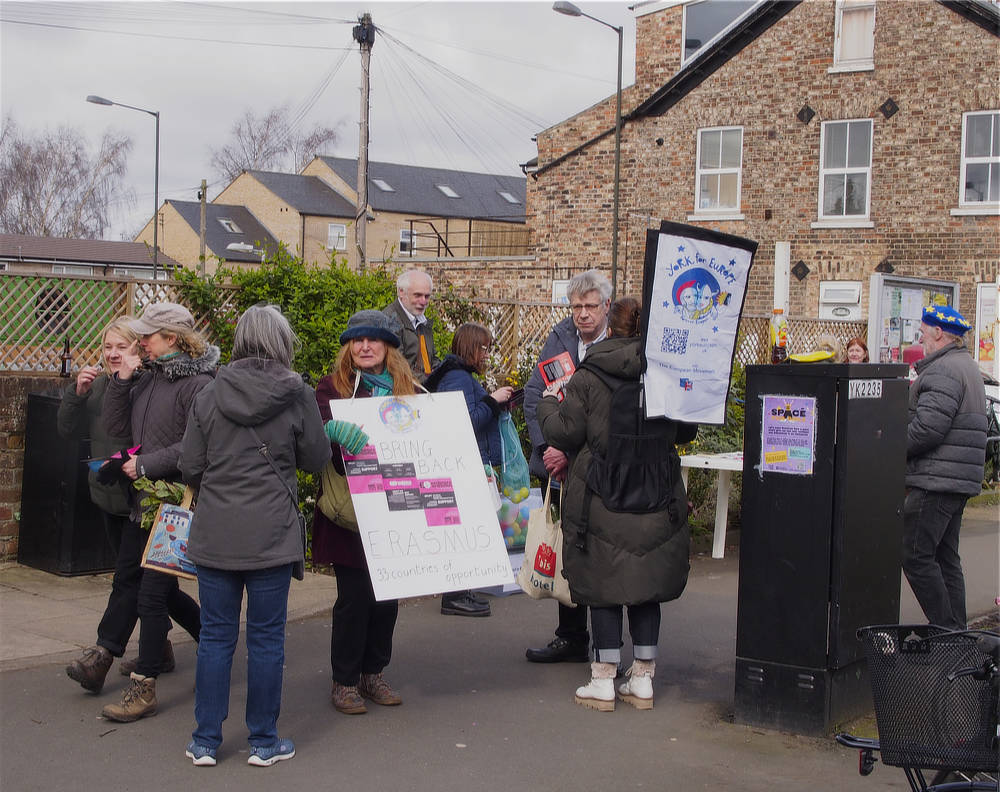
<point x="631" y="557"/>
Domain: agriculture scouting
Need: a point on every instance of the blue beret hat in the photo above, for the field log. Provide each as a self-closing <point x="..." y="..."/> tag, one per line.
<point x="372" y="324"/>
<point x="947" y="318"/>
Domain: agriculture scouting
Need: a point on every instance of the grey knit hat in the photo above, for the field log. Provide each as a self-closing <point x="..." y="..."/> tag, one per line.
<point x="372" y="324"/>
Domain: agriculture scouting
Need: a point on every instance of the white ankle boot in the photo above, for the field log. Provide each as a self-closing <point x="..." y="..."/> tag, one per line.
<point x="637" y="689"/>
<point x="599" y="694"/>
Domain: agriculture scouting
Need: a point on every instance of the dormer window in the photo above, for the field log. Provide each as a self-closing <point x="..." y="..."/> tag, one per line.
<point x="229" y="225"/>
<point x="448" y="191"/>
<point x="854" y="38"/>
<point x="383" y="185"/>
<point x="508" y="197"/>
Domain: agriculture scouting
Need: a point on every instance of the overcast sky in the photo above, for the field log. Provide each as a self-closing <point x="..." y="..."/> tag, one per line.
<point x="462" y="85"/>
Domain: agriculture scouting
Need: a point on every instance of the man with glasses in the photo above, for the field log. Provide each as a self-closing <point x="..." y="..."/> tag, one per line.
<point x="413" y="291"/>
<point x="589" y="297"/>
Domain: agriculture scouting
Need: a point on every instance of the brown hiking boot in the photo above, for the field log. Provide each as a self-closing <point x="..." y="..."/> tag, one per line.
<point x="346" y="699"/>
<point x="168" y="664"/>
<point x="91" y="668"/>
<point x="374" y="688"/>
<point x="138" y="701"/>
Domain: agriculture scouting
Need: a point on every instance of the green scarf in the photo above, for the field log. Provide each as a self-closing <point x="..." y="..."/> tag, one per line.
<point x="377" y="384"/>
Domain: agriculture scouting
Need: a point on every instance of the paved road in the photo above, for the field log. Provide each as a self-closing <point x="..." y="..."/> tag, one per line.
<point x="475" y="716"/>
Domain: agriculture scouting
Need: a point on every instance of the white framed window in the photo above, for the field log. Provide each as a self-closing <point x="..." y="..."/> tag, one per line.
<point x="508" y="197"/>
<point x="4" y="266"/>
<point x="854" y="36"/>
<point x="383" y="185"/>
<point x="71" y="269"/>
<point x="980" y="177"/>
<point x="719" y="169"/>
<point x="449" y="191"/>
<point x="405" y="242"/>
<point x="336" y="236"/>
<point x="229" y="225"/>
<point x="703" y="22"/>
<point x="845" y="155"/>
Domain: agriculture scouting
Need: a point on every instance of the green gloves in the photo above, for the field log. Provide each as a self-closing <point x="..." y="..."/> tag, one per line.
<point x="348" y="435"/>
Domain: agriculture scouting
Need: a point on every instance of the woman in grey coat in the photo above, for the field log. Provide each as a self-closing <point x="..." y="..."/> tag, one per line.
<point x="247" y="433"/>
<point x="631" y="557"/>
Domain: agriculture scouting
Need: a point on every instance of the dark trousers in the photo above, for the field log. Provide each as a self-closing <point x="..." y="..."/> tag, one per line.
<point x="361" y="640"/>
<point x="643" y="626"/>
<point x="573" y="624"/>
<point x="160" y="599"/>
<point x="931" y="523"/>
<point x="122" y="611"/>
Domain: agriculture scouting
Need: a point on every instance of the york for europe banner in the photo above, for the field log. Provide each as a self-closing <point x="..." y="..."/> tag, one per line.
<point x="694" y="285"/>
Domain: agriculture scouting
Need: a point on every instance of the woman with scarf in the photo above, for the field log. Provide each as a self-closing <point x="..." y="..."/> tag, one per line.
<point x="369" y="364"/>
<point x="470" y="349"/>
<point x="151" y="402"/>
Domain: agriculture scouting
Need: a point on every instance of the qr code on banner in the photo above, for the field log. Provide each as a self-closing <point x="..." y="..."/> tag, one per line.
<point x="675" y="340"/>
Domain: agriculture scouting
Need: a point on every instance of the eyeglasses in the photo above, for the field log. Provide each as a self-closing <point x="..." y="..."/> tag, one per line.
<point x="580" y="307"/>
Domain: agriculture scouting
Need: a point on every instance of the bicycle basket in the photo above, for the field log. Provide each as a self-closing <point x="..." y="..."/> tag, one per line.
<point x="924" y="720"/>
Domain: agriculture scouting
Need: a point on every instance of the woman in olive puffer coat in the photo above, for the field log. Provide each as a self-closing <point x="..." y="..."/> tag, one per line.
<point x="617" y="558"/>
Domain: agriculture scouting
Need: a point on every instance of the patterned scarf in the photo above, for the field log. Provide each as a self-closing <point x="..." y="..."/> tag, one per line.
<point x="377" y="384"/>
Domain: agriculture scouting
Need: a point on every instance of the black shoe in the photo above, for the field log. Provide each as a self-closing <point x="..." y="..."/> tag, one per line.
<point x="463" y="605"/>
<point x="560" y="650"/>
<point x="477" y="598"/>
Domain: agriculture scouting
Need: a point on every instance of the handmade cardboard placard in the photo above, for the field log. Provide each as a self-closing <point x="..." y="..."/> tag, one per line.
<point x="425" y="515"/>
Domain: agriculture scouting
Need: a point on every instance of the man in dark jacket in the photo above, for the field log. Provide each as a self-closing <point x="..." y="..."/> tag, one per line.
<point x="589" y="296"/>
<point x="413" y="291"/>
<point x="945" y="453"/>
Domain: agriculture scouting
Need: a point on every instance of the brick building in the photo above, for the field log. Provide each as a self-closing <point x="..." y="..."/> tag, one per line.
<point x="865" y="134"/>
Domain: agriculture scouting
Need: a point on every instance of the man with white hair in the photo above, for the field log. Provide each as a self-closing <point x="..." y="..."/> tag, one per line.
<point x="945" y="453"/>
<point x="413" y="291"/>
<point x="589" y="298"/>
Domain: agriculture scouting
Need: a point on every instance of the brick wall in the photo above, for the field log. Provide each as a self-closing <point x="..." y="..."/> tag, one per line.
<point x="14" y="390"/>
<point x="935" y="65"/>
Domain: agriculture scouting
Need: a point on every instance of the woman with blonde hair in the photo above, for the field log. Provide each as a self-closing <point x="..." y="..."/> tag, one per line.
<point x="80" y="410"/>
<point x="151" y="400"/>
<point x="369" y="364"/>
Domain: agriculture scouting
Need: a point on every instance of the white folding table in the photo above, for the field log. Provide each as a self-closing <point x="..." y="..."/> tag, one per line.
<point x="725" y="464"/>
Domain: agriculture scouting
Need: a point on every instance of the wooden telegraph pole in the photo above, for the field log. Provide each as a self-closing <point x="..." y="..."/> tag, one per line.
<point x="203" y="230"/>
<point x="364" y="34"/>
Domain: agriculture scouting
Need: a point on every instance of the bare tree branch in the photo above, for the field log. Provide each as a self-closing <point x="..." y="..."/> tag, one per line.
<point x="50" y="185"/>
<point x="268" y="142"/>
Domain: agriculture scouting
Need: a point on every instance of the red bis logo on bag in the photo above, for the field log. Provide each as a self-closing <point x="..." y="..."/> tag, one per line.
<point x="545" y="560"/>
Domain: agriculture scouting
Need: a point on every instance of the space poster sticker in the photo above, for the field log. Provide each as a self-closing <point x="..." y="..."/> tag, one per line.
<point x="788" y="435"/>
<point x="693" y="288"/>
<point x="425" y="516"/>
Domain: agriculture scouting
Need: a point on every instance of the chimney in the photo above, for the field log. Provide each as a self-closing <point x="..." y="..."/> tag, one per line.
<point x="658" y="45"/>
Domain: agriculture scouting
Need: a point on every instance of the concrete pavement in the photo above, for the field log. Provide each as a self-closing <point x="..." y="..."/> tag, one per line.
<point x="475" y="716"/>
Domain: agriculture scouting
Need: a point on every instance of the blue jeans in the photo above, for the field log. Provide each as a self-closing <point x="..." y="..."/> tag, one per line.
<point x="643" y="626"/>
<point x="221" y="595"/>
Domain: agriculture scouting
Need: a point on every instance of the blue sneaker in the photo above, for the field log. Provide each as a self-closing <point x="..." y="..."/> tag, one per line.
<point x="201" y="755"/>
<point x="267" y="755"/>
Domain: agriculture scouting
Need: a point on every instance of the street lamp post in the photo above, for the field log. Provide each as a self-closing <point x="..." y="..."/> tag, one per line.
<point x="99" y="100"/>
<point x="567" y="8"/>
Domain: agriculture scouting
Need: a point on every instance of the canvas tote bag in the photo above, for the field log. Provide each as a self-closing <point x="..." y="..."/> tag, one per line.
<point x="541" y="575"/>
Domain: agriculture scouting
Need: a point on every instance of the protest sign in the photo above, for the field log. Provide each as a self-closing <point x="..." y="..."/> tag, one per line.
<point x="425" y="515"/>
<point x="694" y="285"/>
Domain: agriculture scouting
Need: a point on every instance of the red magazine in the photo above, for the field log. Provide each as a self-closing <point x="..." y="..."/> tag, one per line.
<point x="557" y="369"/>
